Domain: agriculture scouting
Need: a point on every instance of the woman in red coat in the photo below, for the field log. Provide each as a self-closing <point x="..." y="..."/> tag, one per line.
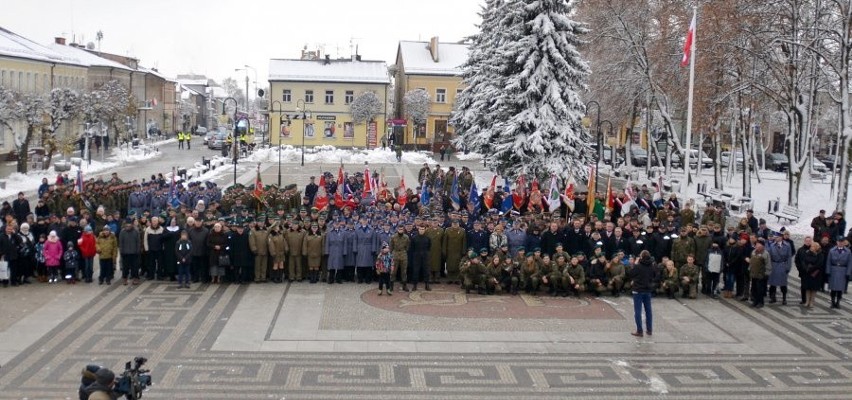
<point x="88" y="248"/>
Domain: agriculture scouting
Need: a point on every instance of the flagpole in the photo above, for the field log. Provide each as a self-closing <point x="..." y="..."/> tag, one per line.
<point x="691" y="92"/>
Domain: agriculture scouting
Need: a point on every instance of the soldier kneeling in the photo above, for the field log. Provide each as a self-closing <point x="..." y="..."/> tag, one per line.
<point x="689" y="278"/>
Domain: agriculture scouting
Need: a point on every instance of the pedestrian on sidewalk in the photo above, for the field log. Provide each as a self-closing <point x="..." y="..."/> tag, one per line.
<point x="52" y="256"/>
<point x="183" y="253"/>
<point x="107" y="248"/>
<point x="88" y="248"/>
<point x="839" y="269"/>
<point x="759" y="266"/>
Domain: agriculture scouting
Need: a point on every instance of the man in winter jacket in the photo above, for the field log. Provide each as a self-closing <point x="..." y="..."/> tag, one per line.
<point x="130" y="247"/>
<point x="153" y="245"/>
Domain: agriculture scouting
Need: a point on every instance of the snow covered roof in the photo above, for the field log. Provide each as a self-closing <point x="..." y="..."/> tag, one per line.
<point x="217" y="92"/>
<point x="417" y="58"/>
<point x="193" y="82"/>
<point x="155" y="73"/>
<point x="86" y="58"/>
<point x="329" y="71"/>
<point x="14" y="45"/>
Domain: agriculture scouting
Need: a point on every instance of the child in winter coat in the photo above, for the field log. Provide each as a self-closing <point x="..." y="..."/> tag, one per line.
<point x="41" y="269"/>
<point x="88" y="249"/>
<point x="72" y="262"/>
<point x="183" y="252"/>
<point x="107" y="248"/>
<point x="384" y="269"/>
<point x="52" y="256"/>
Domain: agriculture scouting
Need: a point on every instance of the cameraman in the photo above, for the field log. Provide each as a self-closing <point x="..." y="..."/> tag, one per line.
<point x="101" y="389"/>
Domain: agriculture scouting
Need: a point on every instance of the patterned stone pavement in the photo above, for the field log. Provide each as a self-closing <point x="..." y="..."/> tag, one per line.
<point x="224" y="342"/>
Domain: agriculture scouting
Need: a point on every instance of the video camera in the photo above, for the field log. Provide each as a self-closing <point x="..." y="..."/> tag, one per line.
<point x="134" y="380"/>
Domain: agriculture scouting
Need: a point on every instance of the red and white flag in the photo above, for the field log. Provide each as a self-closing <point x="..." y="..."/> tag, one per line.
<point x="687" y="46"/>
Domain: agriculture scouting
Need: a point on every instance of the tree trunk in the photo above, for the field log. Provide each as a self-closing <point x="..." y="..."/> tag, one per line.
<point x="718" y="182"/>
<point x="23" y="159"/>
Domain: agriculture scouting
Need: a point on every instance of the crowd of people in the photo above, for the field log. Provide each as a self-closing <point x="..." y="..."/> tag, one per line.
<point x="356" y="229"/>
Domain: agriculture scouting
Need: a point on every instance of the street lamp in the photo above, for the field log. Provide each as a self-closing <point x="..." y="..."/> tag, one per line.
<point x="234" y="138"/>
<point x="246" y="68"/>
<point x="281" y="122"/>
<point x="305" y="115"/>
<point x="601" y="141"/>
<point x="600" y="147"/>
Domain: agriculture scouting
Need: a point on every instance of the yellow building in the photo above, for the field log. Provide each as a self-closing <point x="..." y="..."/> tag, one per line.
<point x="31" y="68"/>
<point x="324" y="89"/>
<point x="436" y="68"/>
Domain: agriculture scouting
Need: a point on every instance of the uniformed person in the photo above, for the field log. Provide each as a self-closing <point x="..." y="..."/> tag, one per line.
<point x="689" y="277"/>
<point x="399" y="244"/>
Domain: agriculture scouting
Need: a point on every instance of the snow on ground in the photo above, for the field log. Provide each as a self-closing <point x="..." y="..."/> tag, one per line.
<point x="17" y="182"/>
<point x="333" y="155"/>
<point x="469" y="156"/>
<point x="814" y="195"/>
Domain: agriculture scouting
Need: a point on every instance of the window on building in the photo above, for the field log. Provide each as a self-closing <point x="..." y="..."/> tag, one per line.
<point x="329" y="97"/>
<point x="350" y="96"/>
<point x="3" y="78"/>
<point x="441" y="130"/>
<point x="309" y="96"/>
<point x="20" y="81"/>
<point x="440" y="95"/>
<point x="286" y="96"/>
<point x="35" y="84"/>
<point x="420" y="130"/>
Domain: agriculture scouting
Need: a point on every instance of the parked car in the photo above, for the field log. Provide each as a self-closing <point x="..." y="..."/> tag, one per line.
<point x="208" y="137"/>
<point x="777" y="162"/>
<point x="694" y="156"/>
<point x="638" y="156"/>
<point x="829" y="161"/>
<point x="725" y="158"/>
<point x="217" y="141"/>
<point x="819" y="166"/>
<point x="607" y="155"/>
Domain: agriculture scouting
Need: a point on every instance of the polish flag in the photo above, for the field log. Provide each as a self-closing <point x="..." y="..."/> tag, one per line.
<point x="687" y="47"/>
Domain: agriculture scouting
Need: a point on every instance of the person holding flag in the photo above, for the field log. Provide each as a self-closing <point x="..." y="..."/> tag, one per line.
<point x="554" y="202"/>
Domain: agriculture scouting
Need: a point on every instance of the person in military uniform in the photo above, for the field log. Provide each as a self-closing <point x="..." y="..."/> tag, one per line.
<point x="573" y="278"/>
<point x="470" y="271"/>
<point x="670" y="282"/>
<point x="616" y="275"/>
<point x="598" y="277"/>
<point x="490" y="277"/>
<point x="312" y="248"/>
<point x="530" y="276"/>
<point x="682" y="246"/>
<point x="551" y="275"/>
<point x="689" y="277"/>
<point x="259" y="244"/>
<point x="455" y="243"/>
<point x="399" y="244"/>
<point x="294" y="238"/>
<point x="277" y="245"/>
<point x="436" y="251"/>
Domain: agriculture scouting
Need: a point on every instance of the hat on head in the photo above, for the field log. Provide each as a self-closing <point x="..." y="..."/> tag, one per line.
<point x="744" y="236"/>
<point x="104" y="376"/>
<point x="483" y="250"/>
<point x="841" y="238"/>
<point x="87" y="228"/>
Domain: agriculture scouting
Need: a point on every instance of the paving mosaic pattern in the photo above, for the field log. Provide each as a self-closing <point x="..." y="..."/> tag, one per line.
<point x="176" y="330"/>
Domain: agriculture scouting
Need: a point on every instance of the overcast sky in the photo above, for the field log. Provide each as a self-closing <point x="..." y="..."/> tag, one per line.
<point x="215" y="37"/>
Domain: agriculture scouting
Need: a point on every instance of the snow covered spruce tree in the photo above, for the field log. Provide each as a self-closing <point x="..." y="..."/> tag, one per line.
<point x="531" y="104"/>
<point x="483" y="77"/>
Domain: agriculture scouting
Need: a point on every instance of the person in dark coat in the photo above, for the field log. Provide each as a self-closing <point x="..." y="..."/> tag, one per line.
<point x="420" y="247"/>
<point x="643" y="275"/>
<point x="813" y="276"/>
<point x="21" y="208"/>
<point x="798" y="262"/>
<point x="217" y="245"/>
<point x="197" y="234"/>
<point x="9" y="244"/>
<point x="838" y="267"/>
<point x="311" y="190"/>
<point x="242" y="263"/>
